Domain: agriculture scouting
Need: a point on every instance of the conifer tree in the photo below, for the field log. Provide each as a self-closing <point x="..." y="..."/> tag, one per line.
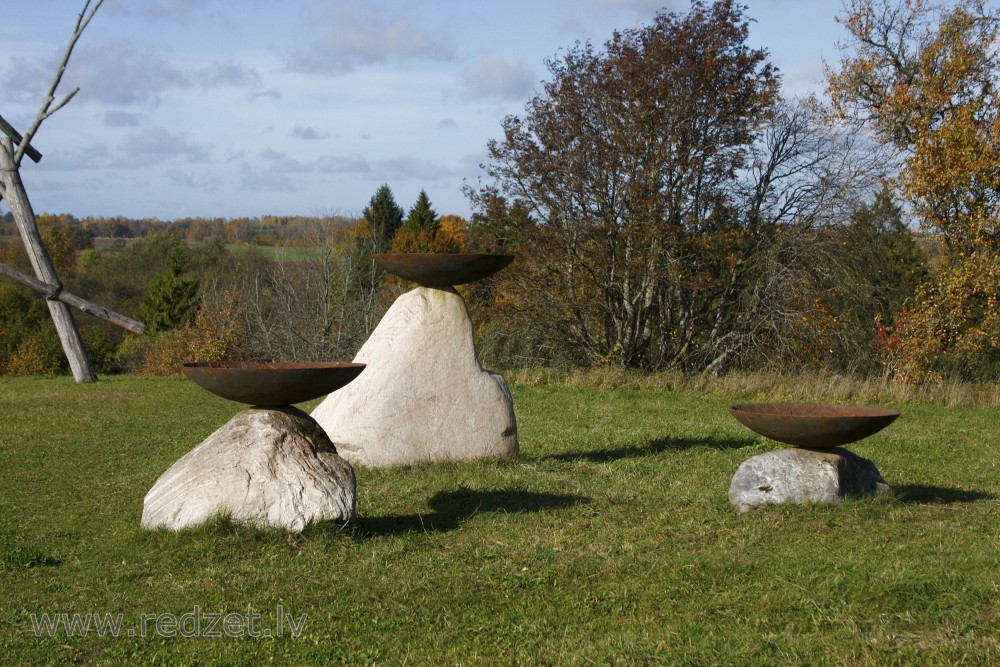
<point x="171" y="298"/>
<point x="422" y="217"/>
<point x="384" y="217"/>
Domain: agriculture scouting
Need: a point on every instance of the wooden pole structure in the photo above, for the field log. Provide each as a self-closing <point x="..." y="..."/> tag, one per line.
<point x="24" y="216"/>
<point x="89" y="307"/>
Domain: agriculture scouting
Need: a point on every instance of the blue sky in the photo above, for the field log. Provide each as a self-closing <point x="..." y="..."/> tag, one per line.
<point x="304" y="107"/>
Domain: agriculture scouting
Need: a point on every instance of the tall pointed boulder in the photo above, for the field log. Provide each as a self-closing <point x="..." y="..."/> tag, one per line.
<point x="423" y="396"/>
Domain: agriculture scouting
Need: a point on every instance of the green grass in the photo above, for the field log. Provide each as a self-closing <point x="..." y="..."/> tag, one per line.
<point x="609" y="539"/>
<point x="277" y="253"/>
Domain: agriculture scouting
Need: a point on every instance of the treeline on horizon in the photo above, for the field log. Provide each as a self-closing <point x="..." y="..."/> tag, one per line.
<point x="669" y="210"/>
<point x="259" y="230"/>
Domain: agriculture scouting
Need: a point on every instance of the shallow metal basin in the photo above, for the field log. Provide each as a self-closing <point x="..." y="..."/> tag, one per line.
<point x="271" y="383"/>
<point x="813" y="425"/>
<point x="442" y="269"/>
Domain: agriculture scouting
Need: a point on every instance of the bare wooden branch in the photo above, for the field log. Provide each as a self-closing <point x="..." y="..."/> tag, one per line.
<point x="82" y="20"/>
<point x="56" y="292"/>
<point x="16" y="137"/>
<point x="65" y="101"/>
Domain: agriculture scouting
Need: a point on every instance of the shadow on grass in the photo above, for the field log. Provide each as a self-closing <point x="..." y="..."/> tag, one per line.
<point x="17" y="556"/>
<point x="450" y="509"/>
<point x="918" y="494"/>
<point x="652" y="448"/>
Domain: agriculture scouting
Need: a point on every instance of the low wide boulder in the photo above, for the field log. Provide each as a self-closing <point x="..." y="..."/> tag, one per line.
<point x="803" y="476"/>
<point x="423" y="396"/>
<point x="269" y="467"/>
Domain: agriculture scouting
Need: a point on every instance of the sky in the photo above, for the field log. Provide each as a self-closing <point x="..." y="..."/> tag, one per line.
<point x="230" y="108"/>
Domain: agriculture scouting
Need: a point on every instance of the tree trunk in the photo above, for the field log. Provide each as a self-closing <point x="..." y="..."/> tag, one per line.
<point x="20" y="207"/>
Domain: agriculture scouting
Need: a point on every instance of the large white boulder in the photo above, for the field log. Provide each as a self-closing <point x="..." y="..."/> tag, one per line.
<point x="266" y="466"/>
<point x="423" y="395"/>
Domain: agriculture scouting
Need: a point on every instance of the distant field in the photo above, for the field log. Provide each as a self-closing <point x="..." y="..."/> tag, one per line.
<point x="609" y="539"/>
<point x="285" y="253"/>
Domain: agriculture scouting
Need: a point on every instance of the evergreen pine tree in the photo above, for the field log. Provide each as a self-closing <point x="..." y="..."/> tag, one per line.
<point x="384" y="217"/>
<point x="171" y="298"/>
<point x="422" y="217"/>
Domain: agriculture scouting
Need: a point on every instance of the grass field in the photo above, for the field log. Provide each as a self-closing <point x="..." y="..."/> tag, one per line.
<point x="609" y="539"/>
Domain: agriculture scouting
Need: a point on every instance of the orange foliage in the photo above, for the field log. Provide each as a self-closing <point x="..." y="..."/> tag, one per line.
<point x="923" y="75"/>
<point x="205" y="339"/>
<point x="450" y="236"/>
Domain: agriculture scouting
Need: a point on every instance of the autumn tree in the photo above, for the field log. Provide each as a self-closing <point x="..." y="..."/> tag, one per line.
<point x="626" y="161"/>
<point x="423" y="230"/>
<point x="498" y="225"/>
<point x="922" y="76"/>
<point x="684" y="215"/>
<point x="655" y="187"/>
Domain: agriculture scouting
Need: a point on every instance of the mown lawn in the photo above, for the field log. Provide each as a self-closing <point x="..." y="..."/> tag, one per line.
<point x="609" y="539"/>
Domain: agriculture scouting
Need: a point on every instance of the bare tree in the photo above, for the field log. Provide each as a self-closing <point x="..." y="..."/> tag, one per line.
<point x="303" y="304"/>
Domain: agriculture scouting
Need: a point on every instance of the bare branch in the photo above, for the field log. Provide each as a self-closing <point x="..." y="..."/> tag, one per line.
<point x="82" y="20"/>
<point x="65" y="101"/>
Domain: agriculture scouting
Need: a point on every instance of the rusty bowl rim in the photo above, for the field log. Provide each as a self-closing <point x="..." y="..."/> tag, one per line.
<point x="270" y="365"/>
<point x="869" y="411"/>
<point x="450" y="255"/>
<point x="223" y="378"/>
<point x="441" y="269"/>
<point x="845" y="423"/>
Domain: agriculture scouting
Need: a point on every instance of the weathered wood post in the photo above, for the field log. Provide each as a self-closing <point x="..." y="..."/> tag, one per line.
<point x="24" y="217"/>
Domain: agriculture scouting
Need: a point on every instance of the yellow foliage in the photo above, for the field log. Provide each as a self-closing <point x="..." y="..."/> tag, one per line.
<point x="204" y="340"/>
<point x="923" y="74"/>
<point x="447" y="238"/>
<point x="31" y="358"/>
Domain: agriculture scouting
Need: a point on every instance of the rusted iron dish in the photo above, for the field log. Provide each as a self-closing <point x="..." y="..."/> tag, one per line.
<point x="438" y="269"/>
<point x="813" y="425"/>
<point x="271" y="383"/>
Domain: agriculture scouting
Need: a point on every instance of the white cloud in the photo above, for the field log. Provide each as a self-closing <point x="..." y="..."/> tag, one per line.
<point x="26" y="79"/>
<point x="362" y="34"/>
<point x="256" y="180"/>
<point x="227" y="74"/>
<point x="278" y="162"/>
<point x="343" y="164"/>
<point x="639" y="6"/>
<point x="97" y="156"/>
<point x="118" y="73"/>
<point x="122" y="119"/>
<point x="267" y="95"/>
<point x="186" y="179"/>
<point x="504" y="77"/>
<point x="157" y="145"/>
<point x="409" y="168"/>
<point x="181" y="12"/>
<point x="121" y="74"/>
<point x="309" y="133"/>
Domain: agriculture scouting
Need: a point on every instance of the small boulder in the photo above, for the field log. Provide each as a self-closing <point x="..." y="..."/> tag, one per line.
<point x="266" y="466"/>
<point x="803" y="476"/>
<point x="423" y="396"/>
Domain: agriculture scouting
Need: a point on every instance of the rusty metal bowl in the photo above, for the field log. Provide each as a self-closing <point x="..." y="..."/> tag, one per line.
<point x="813" y="425"/>
<point x="271" y="383"/>
<point x="434" y="269"/>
